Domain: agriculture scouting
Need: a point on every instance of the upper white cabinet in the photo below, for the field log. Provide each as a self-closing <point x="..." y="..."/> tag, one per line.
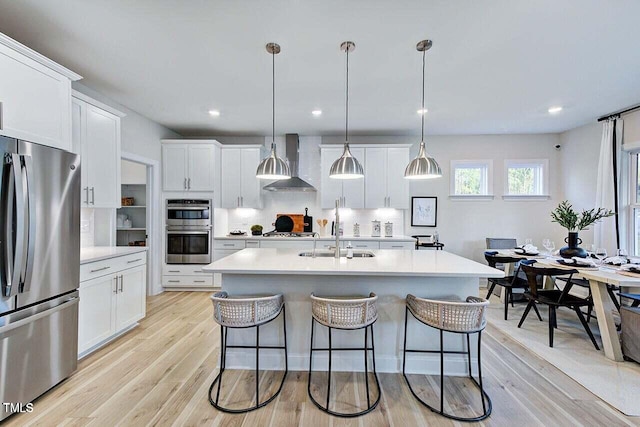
<point x="349" y="192"/>
<point x="96" y="137"/>
<point x="385" y="186"/>
<point x="240" y="187"/>
<point x="35" y="96"/>
<point x="189" y="166"/>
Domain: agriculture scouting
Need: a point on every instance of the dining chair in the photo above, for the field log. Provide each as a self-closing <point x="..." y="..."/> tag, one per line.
<point x="501" y="243"/>
<point x="554" y="298"/>
<point x="508" y="282"/>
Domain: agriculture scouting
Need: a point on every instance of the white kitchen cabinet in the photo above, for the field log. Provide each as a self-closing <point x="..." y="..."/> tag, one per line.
<point x="350" y="192"/>
<point x="239" y="186"/>
<point x="189" y="166"/>
<point x="131" y="297"/>
<point x="96" y="311"/>
<point x="112" y="299"/>
<point x="185" y="276"/>
<point x="96" y="137"/>
<point x="35" y="96"/>
<point x="288" y="244"/>
<point x="385" y="186"/>
<point x="398" y="245"/>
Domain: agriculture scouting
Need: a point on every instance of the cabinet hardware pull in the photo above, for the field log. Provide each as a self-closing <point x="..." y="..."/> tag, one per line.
<point x="198" y="281"/>
<point x="115" y="291"/>
<point x="86" y="200"/>
<point x="100" y="269"/>
<point x="134" y="260"/>
<point x="174" y="271"/>
<point x="198" y="271"/>
<point x="228" y="244"/>
<point x="121" y="283"/>
<point x="189" y="184"/>
<point x="185" y="184"/>
<point x="396" y="246"/>
<point x="93" y="195"/>
<point x="173" y="281"/>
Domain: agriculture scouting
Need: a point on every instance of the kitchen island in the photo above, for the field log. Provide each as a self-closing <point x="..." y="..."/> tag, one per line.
<point x="391" y="274"/>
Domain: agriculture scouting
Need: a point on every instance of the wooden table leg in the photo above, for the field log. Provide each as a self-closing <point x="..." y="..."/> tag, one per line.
<point x="603" y="307"/>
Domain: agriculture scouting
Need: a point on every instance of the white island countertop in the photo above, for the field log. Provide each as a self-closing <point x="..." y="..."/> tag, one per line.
<point x="320" y="239"/>
<point x="98" y="253"/>
<point x="385" y="263"/>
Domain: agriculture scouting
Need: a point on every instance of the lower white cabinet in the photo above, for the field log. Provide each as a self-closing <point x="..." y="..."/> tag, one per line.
<point x="185" y="276"/>
<point x="111" y="303"/>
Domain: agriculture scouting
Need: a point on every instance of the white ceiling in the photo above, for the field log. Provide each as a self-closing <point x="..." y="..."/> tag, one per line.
<point x="496" y="66"/>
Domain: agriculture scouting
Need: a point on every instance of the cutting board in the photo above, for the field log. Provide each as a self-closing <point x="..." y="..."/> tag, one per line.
<point x="298" y="222"/>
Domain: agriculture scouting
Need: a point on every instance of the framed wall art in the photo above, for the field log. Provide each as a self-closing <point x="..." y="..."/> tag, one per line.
<point x="424" y="211"/>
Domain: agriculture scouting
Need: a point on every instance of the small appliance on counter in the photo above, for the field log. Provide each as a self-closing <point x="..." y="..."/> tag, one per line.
<point x="375" y="228"/>
<point x="308" y="221"/>
<point x="388" y="229"/>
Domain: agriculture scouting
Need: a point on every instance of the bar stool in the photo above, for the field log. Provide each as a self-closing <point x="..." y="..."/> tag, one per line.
<point x="458" y="317"/>
<point x="345" y="314"/>
<point x="240" y="313"/>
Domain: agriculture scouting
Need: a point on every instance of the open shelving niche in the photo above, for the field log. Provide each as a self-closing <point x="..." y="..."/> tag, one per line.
<point x="137" y="213"/>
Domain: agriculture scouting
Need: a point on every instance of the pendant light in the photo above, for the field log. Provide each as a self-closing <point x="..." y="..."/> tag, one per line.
<point x="272" y="166"/>
<point x="347" y="166"/>
<point x="423" y="166"/>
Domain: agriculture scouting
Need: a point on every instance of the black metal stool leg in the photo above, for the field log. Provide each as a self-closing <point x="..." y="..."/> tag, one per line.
<point x="366" y="366"/>
<point x="404" y="349"/>
<point x="484" y="406"/>
<point x="329" y="373"/>
<point x="257" y="365"/>
<point x="441" y="373"/>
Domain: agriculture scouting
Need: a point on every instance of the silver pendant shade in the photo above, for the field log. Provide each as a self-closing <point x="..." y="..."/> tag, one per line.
<point x="423" y="166"/>
<point x="272" y="166"/>
<point x="347" y="166"/>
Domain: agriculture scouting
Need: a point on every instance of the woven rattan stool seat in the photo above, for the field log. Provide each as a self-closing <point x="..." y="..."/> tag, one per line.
<point x="245" y="311"/>
<point x="345" y="312"/>
<point x="454" y="316"/>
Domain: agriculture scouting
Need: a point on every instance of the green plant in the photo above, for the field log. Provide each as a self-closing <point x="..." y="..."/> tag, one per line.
<point x="256" y="227"/>
<point x="572" y="221"/>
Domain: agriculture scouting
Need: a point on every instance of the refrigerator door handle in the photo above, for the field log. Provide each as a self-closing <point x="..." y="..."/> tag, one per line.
<point x="27" y="272"/>
<point x="30" y="319"/>
<point x="19" y="253"/>
<point x="7" y="226"/>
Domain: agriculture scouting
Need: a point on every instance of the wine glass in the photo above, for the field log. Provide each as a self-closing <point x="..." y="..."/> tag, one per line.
<point x="549" y="246"/>
<point x="622" y="253"/>
<point x="601" y="254"/>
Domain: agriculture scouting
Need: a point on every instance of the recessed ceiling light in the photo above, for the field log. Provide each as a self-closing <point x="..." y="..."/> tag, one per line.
<point x="422" y="111"/>
<point x="316" y="113"/>
<point x="554" y="110"/>
<point x="214" y="113"/>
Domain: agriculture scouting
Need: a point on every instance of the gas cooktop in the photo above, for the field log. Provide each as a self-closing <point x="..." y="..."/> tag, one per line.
<point x="286" y="234"/>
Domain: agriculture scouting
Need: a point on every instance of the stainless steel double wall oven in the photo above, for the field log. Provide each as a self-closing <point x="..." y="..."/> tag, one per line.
<point x="189" y="231"/>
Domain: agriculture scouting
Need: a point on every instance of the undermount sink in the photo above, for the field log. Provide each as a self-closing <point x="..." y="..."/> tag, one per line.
<point x="324" y="253"/>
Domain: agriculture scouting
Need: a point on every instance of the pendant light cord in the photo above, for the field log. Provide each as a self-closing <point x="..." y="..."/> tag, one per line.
<point x="423" y="111"/>
<point x="346" y="122"/>
<point x="273" y="97"/>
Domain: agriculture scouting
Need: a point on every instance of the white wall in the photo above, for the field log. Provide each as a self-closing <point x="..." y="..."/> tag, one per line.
<point x="462" y="225"/>
<point x="132" y="172"/>
<point x="140" y="135"/>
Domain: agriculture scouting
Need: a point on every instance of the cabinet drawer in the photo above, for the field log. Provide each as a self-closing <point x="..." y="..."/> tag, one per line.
<point x="187" y="281"/>
<point x="111" y="265"/>
<point x="229" y="244"/>
<point x="183" y="270"/>
<point x="362" y="244"/>
<point x="252" y="243"/>
<point x="397" y="245"/>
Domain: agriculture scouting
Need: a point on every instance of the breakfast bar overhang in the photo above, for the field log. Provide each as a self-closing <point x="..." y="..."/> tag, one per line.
<point x="390" y="274"/>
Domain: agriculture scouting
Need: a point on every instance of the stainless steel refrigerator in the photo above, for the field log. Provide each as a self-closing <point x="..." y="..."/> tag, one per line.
<point x="39" y="269"/>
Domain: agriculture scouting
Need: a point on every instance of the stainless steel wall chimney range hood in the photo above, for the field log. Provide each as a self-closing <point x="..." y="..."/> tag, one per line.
<point x="294" y="183"/>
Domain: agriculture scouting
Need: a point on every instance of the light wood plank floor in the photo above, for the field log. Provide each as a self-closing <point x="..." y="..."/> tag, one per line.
<point x="159" y="374"/>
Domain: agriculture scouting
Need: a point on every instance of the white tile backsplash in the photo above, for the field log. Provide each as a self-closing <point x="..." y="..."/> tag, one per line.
<point x="87" y="223"/>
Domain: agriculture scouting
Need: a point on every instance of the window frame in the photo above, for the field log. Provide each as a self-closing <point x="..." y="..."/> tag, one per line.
<point x="543" y="181"/>
<point x="633" y="204"/>
<point x="486" y="164"/>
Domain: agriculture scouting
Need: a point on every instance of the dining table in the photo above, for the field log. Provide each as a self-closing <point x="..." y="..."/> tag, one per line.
<point x="603" y="305"/>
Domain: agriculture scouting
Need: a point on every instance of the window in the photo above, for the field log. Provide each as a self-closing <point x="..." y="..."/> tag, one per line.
<point x="471" y="178"/>
<point x="635" y="203"/>
<point x="526" y="178"/>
